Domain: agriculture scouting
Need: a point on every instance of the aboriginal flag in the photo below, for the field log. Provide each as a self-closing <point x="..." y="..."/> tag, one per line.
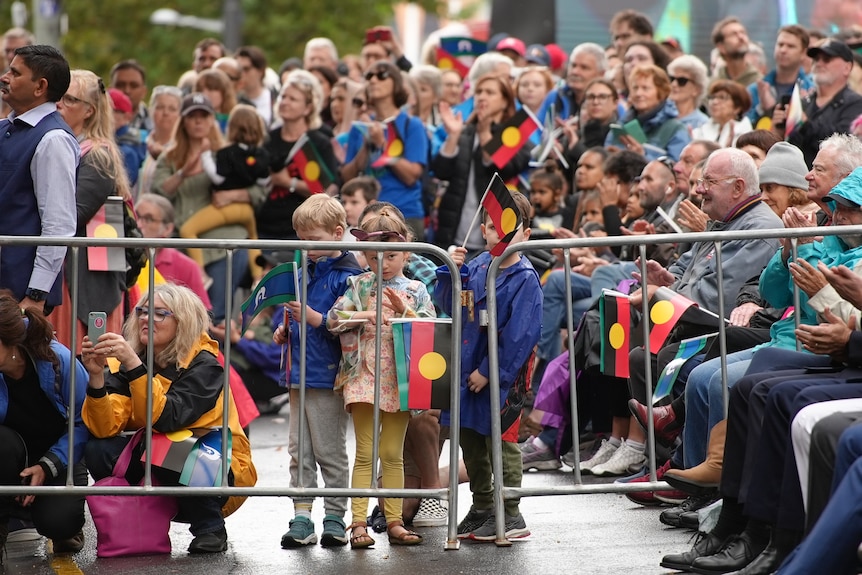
<point x="393" y="148"/>
<point x="312" y="168"/>
<point x="615" y="320"/>
<point x="503" y="211"/>
<point x="107" y="223"/>
<point x="666" y="308"/>
<point x="422" y="351"/>
<point x="515" y="133"/>
<point x="202" y="467"/>
<point x="447" y="61"/>
<point x="170" y="450"/>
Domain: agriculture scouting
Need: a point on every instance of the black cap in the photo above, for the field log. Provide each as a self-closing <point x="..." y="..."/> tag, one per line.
<point x="832" y="48"/>
<point x="196" y="101"/>
<point x="266" y="260"/>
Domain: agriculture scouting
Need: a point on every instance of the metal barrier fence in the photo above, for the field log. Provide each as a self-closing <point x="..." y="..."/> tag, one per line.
<point x="501" y="493"/>
<point x="73" y="255"/>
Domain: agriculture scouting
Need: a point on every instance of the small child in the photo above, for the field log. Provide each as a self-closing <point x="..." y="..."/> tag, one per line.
<point x="547" y="190"/>
<point x="319" y="218"/>
<point x="590" y="209"/>
<point x="519" y="308"/>
<point x="353" y="316"/>
<point x="242" y="163"/>
<point x="356" y="195"/>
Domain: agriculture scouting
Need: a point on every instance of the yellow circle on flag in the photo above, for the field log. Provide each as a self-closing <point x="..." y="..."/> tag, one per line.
<point x="445" y="64"/>
<point x="509" y="221"/>
<point x="396" y="148"/>
<point x="616" y="336"/>
<point x="511" y="137"/>
<point x="432" y="365"/>
<point x="178" y="435"/>
<point x="661" y="312"/>
<point x="312" y="171"/>
<point x="105" y="231"/>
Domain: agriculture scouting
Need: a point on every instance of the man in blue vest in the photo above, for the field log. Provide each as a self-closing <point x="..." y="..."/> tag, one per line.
<point x="38" y="165"/>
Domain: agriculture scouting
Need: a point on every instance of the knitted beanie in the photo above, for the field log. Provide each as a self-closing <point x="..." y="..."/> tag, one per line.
<point x="784" y="165"/>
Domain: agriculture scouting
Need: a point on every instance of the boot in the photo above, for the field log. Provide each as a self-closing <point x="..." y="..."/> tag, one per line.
<point x="705" y="477"/>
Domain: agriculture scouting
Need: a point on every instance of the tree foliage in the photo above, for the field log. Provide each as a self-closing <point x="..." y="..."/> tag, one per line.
<point x="102" y="33"/>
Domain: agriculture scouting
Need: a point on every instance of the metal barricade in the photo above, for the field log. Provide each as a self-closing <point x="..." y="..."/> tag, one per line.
<point x="502" y="493"/>
<point x="76" y="244"/>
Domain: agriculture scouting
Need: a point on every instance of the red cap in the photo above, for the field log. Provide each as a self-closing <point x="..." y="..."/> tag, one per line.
<point x="558" y="56"/>
<point x="513" y="44"/>
<point x="119" y="101"/>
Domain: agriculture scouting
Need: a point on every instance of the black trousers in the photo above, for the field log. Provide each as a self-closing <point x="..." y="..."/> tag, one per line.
<point x="821" y="466"/>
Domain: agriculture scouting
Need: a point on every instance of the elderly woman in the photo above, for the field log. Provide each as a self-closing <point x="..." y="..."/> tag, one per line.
<point x="181" y="178"/>
<point x="34" y="424"/>
<point x="395" y="148"/>
<point x="649" y="88"/>
<point x="87" y="110"/>
<point x="688" y="79"/>
<point x="215" y="85"/>
<point x="727" y="104"/>
<point x="187" y="394"/>
<point x="165" y="103"/>
<point x="428" y="90"/>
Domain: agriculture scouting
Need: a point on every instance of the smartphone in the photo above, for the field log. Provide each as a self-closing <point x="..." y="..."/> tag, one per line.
<point x="785" y="100"/>
<point x="377" y="35"/>
<point x="96" y="323"/>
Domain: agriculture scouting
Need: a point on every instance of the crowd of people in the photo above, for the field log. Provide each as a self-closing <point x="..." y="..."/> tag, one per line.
<point x="634" y="138"/>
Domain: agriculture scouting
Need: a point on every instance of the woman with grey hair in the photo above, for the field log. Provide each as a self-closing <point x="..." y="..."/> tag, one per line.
<point x="428" y="82"/>
<point x="688" y="79"/>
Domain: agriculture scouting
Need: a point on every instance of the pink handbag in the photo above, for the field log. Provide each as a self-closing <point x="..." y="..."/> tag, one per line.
<point x="130" y="524"/>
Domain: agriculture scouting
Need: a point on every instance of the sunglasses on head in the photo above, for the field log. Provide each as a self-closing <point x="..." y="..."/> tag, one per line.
<point x="381" y="236"/>
<point x="380" y="75"/>
<point x="679" y="80"/>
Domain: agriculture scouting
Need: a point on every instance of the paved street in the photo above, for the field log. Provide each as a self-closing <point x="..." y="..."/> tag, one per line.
<point x="576" y="534"/>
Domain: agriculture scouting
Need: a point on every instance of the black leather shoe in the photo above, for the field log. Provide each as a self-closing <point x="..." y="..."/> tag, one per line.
<point x="706" y="544"/>
<point x="690" y="520"/>
<point x="738" y="553"/>
<point x="692" y="504"/>
<point x="764" y="564"/>
<point x="215" y="542"/>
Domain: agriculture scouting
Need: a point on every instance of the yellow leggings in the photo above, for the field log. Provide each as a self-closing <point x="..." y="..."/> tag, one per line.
<point x="393" y="427"/>
<point x="211" y="217"/>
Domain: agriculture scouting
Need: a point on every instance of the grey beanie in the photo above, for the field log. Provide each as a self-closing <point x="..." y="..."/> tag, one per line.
<point x="784" y="165"/>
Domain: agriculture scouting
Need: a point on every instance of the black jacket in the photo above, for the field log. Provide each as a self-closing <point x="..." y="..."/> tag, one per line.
<point x="836" y="116"/>
<point x="456" y="170"/>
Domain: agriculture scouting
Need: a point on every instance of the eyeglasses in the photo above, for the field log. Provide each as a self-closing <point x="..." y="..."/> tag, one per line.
<point x="598" y="97"/>
<point x="680" y="81"/>
<point x="358" y="103"/>
<point x="147" y="219"/>
<point x="380" y="75"/>
<point x="719" y="97"/>
<point x="707" y="183"/>
<point x="70" y="100"/>
<point x="159" y="315"/>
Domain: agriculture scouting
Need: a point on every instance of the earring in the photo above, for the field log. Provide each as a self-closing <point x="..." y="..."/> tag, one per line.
<point x="13" y="356"/>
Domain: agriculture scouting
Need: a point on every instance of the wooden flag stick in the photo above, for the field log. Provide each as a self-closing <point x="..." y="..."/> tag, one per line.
<point x="478" y="211"/>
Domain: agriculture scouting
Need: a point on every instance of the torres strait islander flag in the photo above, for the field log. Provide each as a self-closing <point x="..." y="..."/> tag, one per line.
<point x="515" y="134"/>
<point x="666" y="307"/>
<point x="422" y="351"/>
<point x="615" y="320"/>
<point x="312" y="168"/>
<point x="503" y="211"/>
<point x="393" y="148"/>
<point x="458" y="53"/>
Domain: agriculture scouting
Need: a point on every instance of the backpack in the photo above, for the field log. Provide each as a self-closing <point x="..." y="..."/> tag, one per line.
<point x="136" y="257"/>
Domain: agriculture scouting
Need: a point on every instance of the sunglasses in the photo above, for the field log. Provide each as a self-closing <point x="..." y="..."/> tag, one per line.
<point x="381" y="236"/>
<point x="380" y="75"/>
<point x="680" y="81"/>
<point x="358" y="103"/>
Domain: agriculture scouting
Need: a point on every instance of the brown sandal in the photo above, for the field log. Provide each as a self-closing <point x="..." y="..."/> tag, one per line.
<point x="361" y="541"/>
<point x="406" y="538"/>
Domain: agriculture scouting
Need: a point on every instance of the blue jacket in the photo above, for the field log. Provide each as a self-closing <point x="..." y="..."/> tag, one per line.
<point x="662" y="139"/>
<point x="327" y="281"/>
<point x="57" y="390"/>
<point x="265" y="355"/>
<point x="805" y="82"/>
<point x="519" y="312"/>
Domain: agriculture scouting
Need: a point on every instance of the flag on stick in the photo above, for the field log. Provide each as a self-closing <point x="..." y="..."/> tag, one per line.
<point x="392" y="149"/>
<point x="615" y="320"/>
<point x="666" y="308"/>
<point x="515" y="133"/>
<point x="107" y="223"/>
<point x="795" y="114"/>
<point x="503" y="211"/>
<point x="280" y="285"/>
<point x="312" y="168"/>
<point x="422" y="350"/>
<point x="688" y="348"/>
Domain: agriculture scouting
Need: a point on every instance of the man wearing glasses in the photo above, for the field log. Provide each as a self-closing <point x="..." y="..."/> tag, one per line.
<point x="39" y="158"/>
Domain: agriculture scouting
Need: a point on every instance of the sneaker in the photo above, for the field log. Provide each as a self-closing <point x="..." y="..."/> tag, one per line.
<point x="215" y="542"/>
<point x="74" y="544"/>
<point x="568" y="458"/>
<point x="516" y="528"/>
<point x="602" y="456"/>
<point x="334" y="532"/>
<point x="300" y="534"/>
<point x="626" y="459"/>
<point x="647" y="497"/>
<point x="431" y="513"/>
<point x="22" y="531"/>
<point x="539" y="458"/>
<point x="472" y="521"/>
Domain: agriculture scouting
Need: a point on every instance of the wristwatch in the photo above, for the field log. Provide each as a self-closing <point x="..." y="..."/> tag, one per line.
<point x="36" y="294"/>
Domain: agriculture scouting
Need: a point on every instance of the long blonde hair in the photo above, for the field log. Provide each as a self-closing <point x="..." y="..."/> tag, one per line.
<point x="99" y="130"/>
